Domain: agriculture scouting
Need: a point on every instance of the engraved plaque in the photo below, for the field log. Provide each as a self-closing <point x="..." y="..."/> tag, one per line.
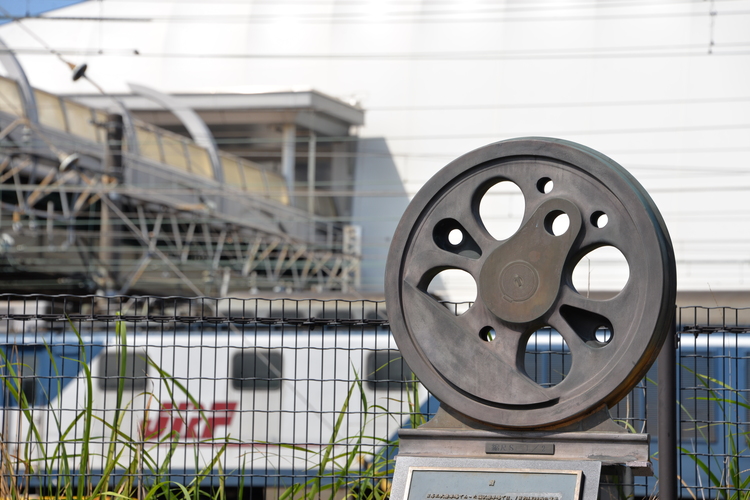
<point x="519" y="448"/>
<point x="437" y="483"/>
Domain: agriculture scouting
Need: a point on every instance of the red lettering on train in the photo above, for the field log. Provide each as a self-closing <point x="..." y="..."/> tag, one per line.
<point x="187" y="421"/>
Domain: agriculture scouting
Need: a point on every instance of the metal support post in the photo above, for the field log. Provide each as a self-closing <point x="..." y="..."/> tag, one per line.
<point x="311" y="175"/>
<point x="667" y="417"/>
<point x="288" y="152"/>
<point x="108" y="243"/>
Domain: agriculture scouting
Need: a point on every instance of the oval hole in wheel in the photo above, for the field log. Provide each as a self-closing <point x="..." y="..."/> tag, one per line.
<point x="547" y="359"/>
<point x="455" y="288"/>
<point x="601" y="273"/>
<point x="501" y="210"/>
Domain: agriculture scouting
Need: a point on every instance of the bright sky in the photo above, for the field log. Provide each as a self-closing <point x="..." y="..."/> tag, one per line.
<point x="662" y="87"/>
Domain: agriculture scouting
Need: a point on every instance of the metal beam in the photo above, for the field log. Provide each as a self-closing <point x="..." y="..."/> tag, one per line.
<point x="194" y="124"/>
<point x="16" y="72"/>
<point x="288" y="153"/>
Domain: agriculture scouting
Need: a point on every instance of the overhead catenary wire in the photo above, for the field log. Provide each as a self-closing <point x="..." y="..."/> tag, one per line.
<point x="559" y="104"/>
<point x="689" y="50"/>
<point x="454" y="16"/>
<point x="523" y="7"/>
<point x="535" y="6"/>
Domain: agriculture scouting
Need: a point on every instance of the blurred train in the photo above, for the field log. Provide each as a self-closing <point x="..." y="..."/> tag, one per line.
<point x="258" y="402"/>
<point x="253" y="404"/>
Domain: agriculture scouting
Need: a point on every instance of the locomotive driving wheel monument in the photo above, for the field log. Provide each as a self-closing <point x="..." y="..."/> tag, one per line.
<point x="499" y="434"/>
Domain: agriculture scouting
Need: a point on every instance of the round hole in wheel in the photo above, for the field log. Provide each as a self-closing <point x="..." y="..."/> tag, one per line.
<point x="487" y="334"/>
<point x="601" y="273"/>
<point x="455" y="237"/>
<point x="501" y="209"/>
<point x="545" y="185"/>
<point x="557" y="223"/>
<point x="599" y="219"/>
<point x="547" y="358"/>
<point x="455" y="289"/>
<point x="603" y="334"/>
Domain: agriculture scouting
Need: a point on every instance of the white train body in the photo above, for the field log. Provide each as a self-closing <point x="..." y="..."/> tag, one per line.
<point x="266" y="401"/>
<point x="261" y="404"/>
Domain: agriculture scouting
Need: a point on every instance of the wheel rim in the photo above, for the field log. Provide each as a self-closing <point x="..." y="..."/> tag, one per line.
<point x="524" y="283"/>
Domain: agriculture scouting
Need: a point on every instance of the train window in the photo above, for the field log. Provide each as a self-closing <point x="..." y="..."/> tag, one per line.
<point x="254" y="181"/>
<point x="22" y="374"/>
<point x="373" y="314"/>
<point x="27" y="371"/>
<point x="50" y="110"/>
<point x="174" y="152"/>
<point x="148" y="144"/>
<point x="277" y="188"/>
<point x="80" y="120"/>
<point x="200" y="163"/>
<point x="232" y="172"/>
<point x="136" y="371"/>
<point x="257" y="368"/>
<point x="10" y="98"/>
<point x="387" y="368"/>
<point x="334" y="312"/>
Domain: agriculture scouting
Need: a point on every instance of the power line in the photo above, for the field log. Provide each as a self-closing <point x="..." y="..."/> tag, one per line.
<point x="687" y="51"/>
<point x="393" y="17"/>
<point x="640" y="130"/>
<point x="579" y="104"/>
<point x="536" y="6"/>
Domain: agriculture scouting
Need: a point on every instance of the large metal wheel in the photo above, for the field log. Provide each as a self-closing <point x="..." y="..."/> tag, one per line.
<point x="525" y="283"/>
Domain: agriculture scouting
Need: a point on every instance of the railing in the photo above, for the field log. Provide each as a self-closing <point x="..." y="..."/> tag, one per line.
<point x="291" y="397"/>
<point x="154" y="143"/>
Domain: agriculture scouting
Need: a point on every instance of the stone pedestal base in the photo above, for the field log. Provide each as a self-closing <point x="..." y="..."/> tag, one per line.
<point x="595" y="443"/>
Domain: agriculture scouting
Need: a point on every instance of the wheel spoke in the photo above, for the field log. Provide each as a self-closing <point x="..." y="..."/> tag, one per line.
<point x="456" y="205"/>
<point x="581" y="351"/>
<point x="617" y="311"/>
<point x="453" y="348"/>
<point x="503" y="341"/>
<point x="587" y="360"/>
<point x="426" y="258"/>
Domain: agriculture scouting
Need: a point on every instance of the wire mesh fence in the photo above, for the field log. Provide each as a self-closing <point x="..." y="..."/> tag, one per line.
<point x="282" y="398"/>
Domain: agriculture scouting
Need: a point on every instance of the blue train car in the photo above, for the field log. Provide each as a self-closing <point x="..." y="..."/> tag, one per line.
<point x="259" y="404"/>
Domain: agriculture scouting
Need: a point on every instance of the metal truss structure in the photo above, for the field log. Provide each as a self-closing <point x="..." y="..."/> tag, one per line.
<point x="85" y="216"/>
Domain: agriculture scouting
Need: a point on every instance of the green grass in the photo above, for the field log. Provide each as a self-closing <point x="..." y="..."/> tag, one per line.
<point x="352" y="465"/>
<point x="126" y="459"/>
<point x="358" y="472"/>
<point x="728" y="481"/>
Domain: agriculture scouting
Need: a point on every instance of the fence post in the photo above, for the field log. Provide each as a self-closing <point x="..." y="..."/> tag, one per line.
<point x="667" y="416"/>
